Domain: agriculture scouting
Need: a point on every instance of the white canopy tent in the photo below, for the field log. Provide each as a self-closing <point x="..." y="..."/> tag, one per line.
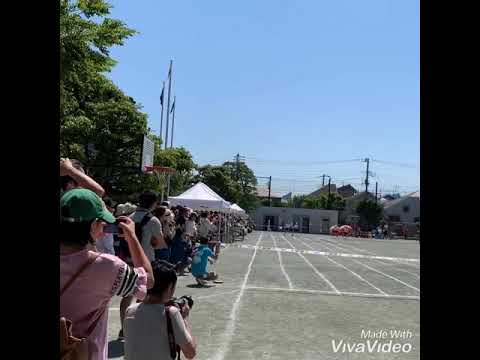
<point x="201" y="197"/>
<point x="237" y="209"/>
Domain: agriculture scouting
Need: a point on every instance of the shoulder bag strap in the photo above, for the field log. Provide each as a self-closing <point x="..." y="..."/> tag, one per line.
<point x="89" y="262"/>
<point x="174" y="350"/>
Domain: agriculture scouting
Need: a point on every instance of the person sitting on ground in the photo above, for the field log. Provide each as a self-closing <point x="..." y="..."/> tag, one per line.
<point x="146" y="329"/>
<point x="72" y="176"/>
<point x="88" y="279"/>
<point x="201" y="257"/>
<point x="149" y="231"/>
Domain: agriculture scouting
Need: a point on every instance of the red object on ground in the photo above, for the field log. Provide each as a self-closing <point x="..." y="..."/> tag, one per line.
<point x="346" y="230"/>
<point x="335" y="230"/>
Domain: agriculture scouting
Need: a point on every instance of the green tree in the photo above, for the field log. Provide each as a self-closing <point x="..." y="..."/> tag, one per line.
<point x="181" y="160"/>
<point x="296" y="201"/>
<point x="236" y="184"/>
<point x="370" y="213"/>
<point x="99" y="124"/>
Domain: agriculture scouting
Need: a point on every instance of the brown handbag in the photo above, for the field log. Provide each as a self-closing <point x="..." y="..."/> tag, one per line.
<point x="71" y="347"/>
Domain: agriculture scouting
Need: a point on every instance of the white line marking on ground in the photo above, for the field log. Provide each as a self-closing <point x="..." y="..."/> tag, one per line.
<point x="230" y="329"/>
<point x="353" y="272"/>
<point x="322" y="242"/>
<point x="217" y="294"/>
<point x="391" y="277"/>
<point x="326" y="292"/>
<point x="376" y="259"/>
<point x="314" y="252"/>
<point x="396" y="267"/>
<point x="402" y="261"/>
<point x="199" y="297"/>
<point x="345" y="247"/>
<point x="313" y="267"/>
<point x="290" y="286"/>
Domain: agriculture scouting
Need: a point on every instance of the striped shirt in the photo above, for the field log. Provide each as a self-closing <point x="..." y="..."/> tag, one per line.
<point x="90" y="294"/>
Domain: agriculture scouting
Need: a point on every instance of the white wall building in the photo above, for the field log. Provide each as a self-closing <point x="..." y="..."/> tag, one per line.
<point x="405" y="209"/>
<point x="315" y="221"/>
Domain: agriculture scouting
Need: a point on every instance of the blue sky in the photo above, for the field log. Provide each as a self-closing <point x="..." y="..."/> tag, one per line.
<point x="286" y="84"/>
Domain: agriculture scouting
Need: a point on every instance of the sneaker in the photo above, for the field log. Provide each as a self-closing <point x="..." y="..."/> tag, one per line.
<point x="201" y="282"/>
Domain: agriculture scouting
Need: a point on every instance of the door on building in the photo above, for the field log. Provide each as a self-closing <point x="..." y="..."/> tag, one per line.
<point x="305" y="225"/>
<point x="269" y="222"/>
<point x="325" y="225"/>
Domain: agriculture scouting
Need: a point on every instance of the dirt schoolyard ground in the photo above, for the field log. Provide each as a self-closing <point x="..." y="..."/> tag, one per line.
<point x="305" y="297"/>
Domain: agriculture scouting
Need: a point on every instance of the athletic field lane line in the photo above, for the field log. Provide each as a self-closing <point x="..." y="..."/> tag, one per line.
<point x="327" y="292"/>
<point x="345" y="247"/>
<point x="339" y="246"/>
<point x="313" y="267"/>
<point x="290" y="286"/>
<point x="228" y="334"/>
<point x="396" y="267"/>
<point x="391" y="277"/>
<point x="353" y="272"/>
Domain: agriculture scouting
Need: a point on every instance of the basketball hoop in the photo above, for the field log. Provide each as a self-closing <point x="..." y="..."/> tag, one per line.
<point x="159" y="169"/>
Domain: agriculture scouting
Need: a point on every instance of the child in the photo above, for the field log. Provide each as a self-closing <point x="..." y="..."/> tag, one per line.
<point x="199" y="263"/>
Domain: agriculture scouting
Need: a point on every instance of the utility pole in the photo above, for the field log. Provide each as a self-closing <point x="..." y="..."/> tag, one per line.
<point x="269" y="187"/>
<point x="323" y="180"/>
<point x="376" y="192"/>
<point x="237" y="162"/>
<point x="328" y="199"/>
<point x="269" y="191"/>
<point x="238" y="159"/>
<point x="367" y="160"/>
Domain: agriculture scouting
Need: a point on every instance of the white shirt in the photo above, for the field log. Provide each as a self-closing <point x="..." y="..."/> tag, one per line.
<point x="190" y="227"/>
<point x="146" y="332"/>
<point x="152" y="228"/>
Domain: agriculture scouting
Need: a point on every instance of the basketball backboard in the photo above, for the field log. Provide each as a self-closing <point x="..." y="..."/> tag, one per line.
<point x="148" y="152"/>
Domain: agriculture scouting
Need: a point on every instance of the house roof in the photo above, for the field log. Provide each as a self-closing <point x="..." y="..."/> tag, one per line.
<point x="347" y="187"/>
<point x="324" y="190"/>
<point x="263" y="193"/>
<point x="415" y="194"/>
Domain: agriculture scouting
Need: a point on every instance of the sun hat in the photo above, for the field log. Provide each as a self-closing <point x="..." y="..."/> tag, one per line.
<point x="83" y="205"/>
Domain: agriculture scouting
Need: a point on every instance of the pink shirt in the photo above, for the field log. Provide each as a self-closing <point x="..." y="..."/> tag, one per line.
<point x="91" y="292"/>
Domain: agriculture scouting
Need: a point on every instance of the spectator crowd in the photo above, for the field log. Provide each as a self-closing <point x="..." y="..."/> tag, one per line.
<point x="135" y="251"/>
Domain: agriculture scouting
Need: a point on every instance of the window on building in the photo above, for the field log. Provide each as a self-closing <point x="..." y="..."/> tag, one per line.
<point x="394" y="218"/>
<point x="417" y="219"/>
<point x="406" y="209"/>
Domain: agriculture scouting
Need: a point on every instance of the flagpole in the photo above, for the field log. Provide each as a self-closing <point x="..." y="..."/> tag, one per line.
<point x="173" y="120"/>
<point x="161" y="114"/>
<point x="168" y="101"/>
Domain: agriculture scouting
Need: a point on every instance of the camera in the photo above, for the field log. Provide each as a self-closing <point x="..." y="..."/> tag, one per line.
<point x="181" y="301"/>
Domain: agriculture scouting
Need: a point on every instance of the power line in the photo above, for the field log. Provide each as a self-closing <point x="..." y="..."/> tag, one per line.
<point x="291" y="162"/>
<point x="395" y="163"/>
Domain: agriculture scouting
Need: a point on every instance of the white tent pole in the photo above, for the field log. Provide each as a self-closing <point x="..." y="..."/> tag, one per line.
<point x="225" y="227"/>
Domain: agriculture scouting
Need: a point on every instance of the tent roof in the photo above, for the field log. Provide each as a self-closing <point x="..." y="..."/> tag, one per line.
<point x="200" y="196"/>
<point x="235" y="207"/>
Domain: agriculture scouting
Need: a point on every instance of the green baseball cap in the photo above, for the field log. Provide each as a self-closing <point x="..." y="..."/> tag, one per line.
<point x="82" y="205"/>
